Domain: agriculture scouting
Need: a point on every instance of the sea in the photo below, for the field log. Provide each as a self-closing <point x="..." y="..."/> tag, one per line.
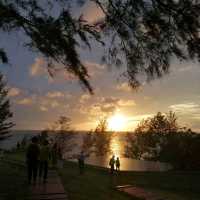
<point x="118" y="142"/>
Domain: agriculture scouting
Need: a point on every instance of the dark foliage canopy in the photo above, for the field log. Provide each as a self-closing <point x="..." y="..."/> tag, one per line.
<point x="160" y="138"/>
<point x="144" y="35"/>
<point x="5" y="113"/>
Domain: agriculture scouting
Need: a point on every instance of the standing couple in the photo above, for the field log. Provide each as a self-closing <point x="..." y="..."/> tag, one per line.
<point x="114" y="164"/>
<point x="37" y="157"/>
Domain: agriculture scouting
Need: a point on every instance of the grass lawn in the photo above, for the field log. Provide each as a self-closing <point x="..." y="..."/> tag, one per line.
<point x="18" y="155"/>
<point x="98" y="184"/>
<point x="13" y="183"/>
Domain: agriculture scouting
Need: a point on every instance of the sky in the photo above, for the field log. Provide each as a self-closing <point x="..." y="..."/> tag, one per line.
<point x="37" y="100"/>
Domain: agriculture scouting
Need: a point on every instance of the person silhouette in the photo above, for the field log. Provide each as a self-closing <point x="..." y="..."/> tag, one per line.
<point x="54" y="153"/>
<point x="44" y="160"/>
<point x="112" y="164"/>
<point x="18" y="145"/>
<point x="32" y="156"/>
<point x="117" y="163"/>
<point x="81" y="162"/>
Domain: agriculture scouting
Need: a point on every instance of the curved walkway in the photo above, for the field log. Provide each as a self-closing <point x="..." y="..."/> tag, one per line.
<point x="138" y="192"/>
<point x="52" y="190"/>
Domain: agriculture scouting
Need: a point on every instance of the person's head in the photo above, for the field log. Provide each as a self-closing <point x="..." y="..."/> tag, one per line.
<point x="117" y="158"/>
<point x="34" y="140"/>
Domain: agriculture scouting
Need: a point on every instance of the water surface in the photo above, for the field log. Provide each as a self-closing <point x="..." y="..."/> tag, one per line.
<point x="117" y="148"/>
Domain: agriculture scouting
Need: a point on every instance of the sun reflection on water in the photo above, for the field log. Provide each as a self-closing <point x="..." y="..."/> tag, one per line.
<point x="115" y="147"/>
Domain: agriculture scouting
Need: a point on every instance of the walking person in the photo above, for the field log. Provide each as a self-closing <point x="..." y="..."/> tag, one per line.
<point x="32" y="156"/>
<point x="54" y="153"/>
<point x="112" y="164"/>
<point x="81" y="162"/>
<point x="117" y="163"/>
<point x="60" y="155"/>
<point x="44" y="161"/>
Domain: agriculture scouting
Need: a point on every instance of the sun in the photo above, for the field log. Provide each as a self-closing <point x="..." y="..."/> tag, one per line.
<point x="116" y="122"/>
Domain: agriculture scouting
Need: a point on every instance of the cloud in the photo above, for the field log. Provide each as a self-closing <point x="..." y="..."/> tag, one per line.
<point x="43" y="103"/>
<point x="60" y="75"/>
<point x="189" y="107"/>
<point x="84" y="98"/>
<point x="48" y="102"/>
<point x="95" y="110"/>
<point x="108" y="108"/>
<point x="54" y="104"/>
<point x="25" y="101"/>
<point x="110" y="100"/>
<point x="12" y="92"/>
<point x="196" y="116"/>
<point x="105" y="106"/>
<point x="55" y="94"/>
<point x="109" y="105"/>
<point x="57" y="73"/>
<point x="126" y="103"/>
<point x="118" y="102"/>
<point x="124" y="87"/>
<point x="39" y="67"/>
<point x="138" y="118"/>
<point x="43" y="108"/>
<point x="93" y="68"/>
<point x="184" y="67"/>
<point x="92" y="13"/>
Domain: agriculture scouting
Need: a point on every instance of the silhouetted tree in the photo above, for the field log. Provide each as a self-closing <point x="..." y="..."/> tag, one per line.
<point x="88" y="143"/>
<point x="56" y="38"/>
<point x="160" y="123"/>
<point x="102" y="138"/>
<point x="98" y="141"/>
<point x="148" y="138"/>
<point x="160" y="138"/>
<point x="102" y="126"/>
<point x="5" y="113"/>
<point x="143" y="35"/>
<point x="149" y="33"/>
<point x="180" y="149"/>
<point x="63" y="135"/>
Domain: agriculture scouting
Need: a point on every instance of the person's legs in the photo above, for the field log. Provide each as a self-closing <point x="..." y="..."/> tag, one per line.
<point x="112" y="169"/>
<point x="29" y="166"/>
<point x="79" y="165"/>
<point x="45" y="170"/>
<point x="41" y="169"/>
<point x="35" y="169"/>
<point x="83" y="167"/>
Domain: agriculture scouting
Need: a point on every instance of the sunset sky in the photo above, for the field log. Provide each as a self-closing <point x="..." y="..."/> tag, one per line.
<point x="38" y="100"/>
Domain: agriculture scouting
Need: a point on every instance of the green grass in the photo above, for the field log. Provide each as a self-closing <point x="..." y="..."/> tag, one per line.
<point x="13" y="183"/>
<point x="13" y="178"/>
<point x="98" y="184"/>
<point x="18" y="155"/>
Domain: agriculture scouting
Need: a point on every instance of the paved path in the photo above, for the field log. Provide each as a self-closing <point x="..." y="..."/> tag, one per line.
<point x="52" y="190"/>
<point x="138" y="192"/>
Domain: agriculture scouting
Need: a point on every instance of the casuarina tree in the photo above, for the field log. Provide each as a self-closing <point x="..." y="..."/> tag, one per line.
<point x="143" y="35"/>
<point x="5" y="113"/>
